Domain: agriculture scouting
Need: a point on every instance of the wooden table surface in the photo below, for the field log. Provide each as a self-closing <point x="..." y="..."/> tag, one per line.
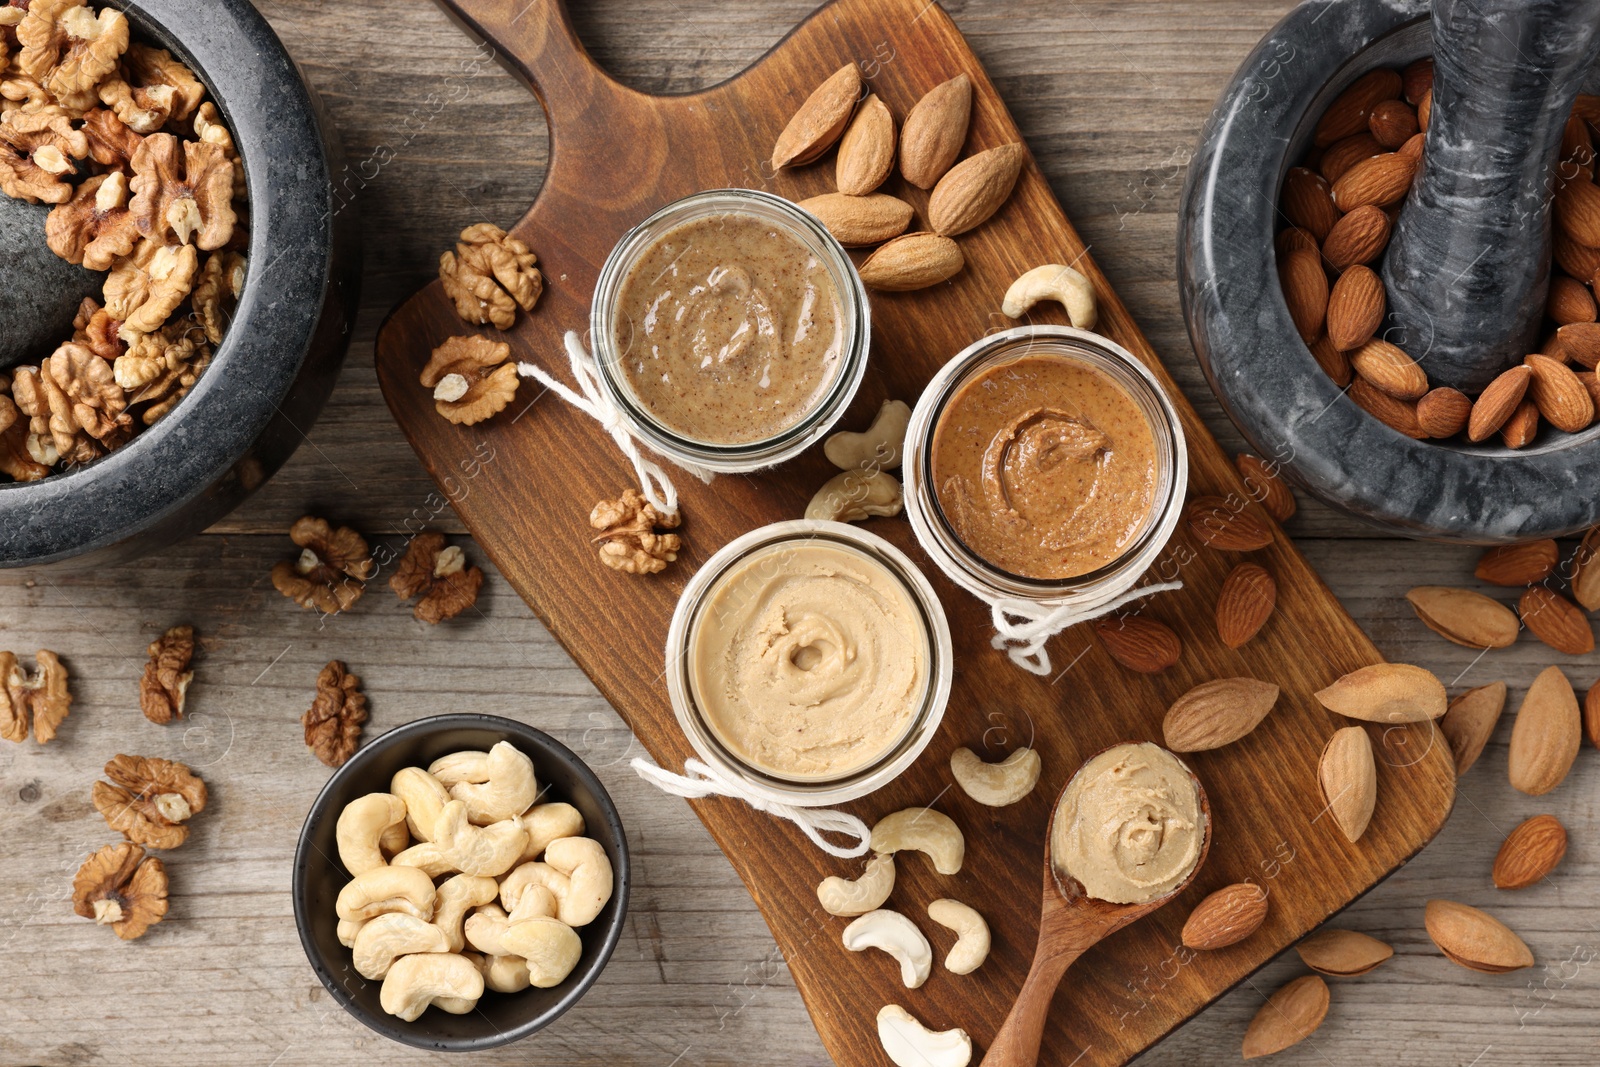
<point x="1111" y="97"/>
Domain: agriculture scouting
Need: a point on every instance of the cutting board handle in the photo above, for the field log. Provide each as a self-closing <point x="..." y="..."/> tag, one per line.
<point x="536" y="38"/>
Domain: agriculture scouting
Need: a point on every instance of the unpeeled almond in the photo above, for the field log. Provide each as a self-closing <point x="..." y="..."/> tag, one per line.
<point x="1264" y="484"/>
<point x="1399" y="415"/>
<point x="1546" y="735"/>
<point x="1465" y="617"/>
<point x="1217" y="713"/>
<point x="931" y="138"/>
<point x="1358" y="237"/>
<point x="1522" y="427"/>
<point x="1470" y="721"/>
<point x="1245" y="603"/>
<point x="1443" y="412"/>
<point x="1226" y="917"/>
<point x="1217" y="523"/>
<point x="974" y="189"/>
<point x="1381" y="181"/>
<point x="1355" y="310"/>
<point x="866" y="151"/>
<point x="1289" y="1016"/>
<point x="1138" y="643"/>
<point x="1474" y="939"/>
<point x="855" y="221"/>
<point x="1388" y="367"/>
<point x="1305" y="291"/>
<point x="1518" y="565"/>
<point x="1308" y="202"/>
<point x="1530" y="852"/>
<point x="1386" y="693"/>
<point x="1556" y="621"/>
<point x="820" y="121"/>
<point x="1586" y="571"/>
<point x="912" y="261"/>
<point x="1591" y="715"/>
<point x="1497" y="403"/>
<point x="1348" y="774"/>
<point x="1561" y="398"/>
<point x="1342" y="953"/>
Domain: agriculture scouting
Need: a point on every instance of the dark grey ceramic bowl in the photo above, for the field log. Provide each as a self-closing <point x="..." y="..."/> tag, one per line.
<point x="318" y="876"/>
<point x="1264" y="375"/>
<point x="277" y="363"/>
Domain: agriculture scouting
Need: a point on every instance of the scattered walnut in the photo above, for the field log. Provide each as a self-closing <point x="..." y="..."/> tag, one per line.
<point x="44" y="696"/>
<point x="629" y="541"/>
<point x="149" y="800"/>
<point x="165" y="684"/>
<point x="471" y="379"/>
<point x="333" y="722"/>
<point x="440" y="575"/>
<point x="94" y="227"/>
<point x="216" y="291"/>
<point x="111" y="143"/>
<point x="331" y="571"/>
<point x="95" y="329"/>
<point x="69" y="49"/>
<point x="489" y="274"/>
<point x="183" y="189"/>
<point x="146" y="286"/>
<point x="122" y="887"/>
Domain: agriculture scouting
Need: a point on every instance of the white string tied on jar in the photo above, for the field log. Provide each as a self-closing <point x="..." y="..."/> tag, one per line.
<point x="1021" y="629"/>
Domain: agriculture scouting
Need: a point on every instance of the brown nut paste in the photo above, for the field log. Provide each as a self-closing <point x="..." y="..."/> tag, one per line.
<point x="1045" y="467"/>
<point x="808" y="660"/>
<point x="729" y="328"/>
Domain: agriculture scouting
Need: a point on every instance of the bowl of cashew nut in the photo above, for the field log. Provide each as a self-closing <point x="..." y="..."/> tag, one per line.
<point x="461" y="882"/>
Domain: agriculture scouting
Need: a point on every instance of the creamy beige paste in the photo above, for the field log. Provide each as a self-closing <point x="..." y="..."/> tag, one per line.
<point x="729" y="329"/>
<point x="1129" y="826"/>
<point x="808" y="660"/>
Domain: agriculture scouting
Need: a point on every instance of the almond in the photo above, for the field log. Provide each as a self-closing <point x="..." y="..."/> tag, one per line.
<point x="1530" y="852"/>
<point x="1586" y="571"/>
<point x="1470" y="721"/>
<point x="1522" y="427"/>
<point x="1218" y="523"/>
<point x="1355" y="308"/>
<point x="1349" y="111"/>
<point x="1346" y="153"/>
<point x="1425" y="109"/>
<point x="1138" y="643"/>
<point x="820" y="121"/>
<point x="1293" y="239"/>
<point x="1414" y="147"/>
<point x="1546" y="736"/>
<point x="1562" y="400"/>
<point x="866" y="151"/>
<point x="1577" y="211"/>
<point x="1226" y="917"/>
<point x="1217" y="713"/>
<point x="1498" y="402"/>
<point x="1381" y="180"/>
<point x="1261" y="479"/>
<point x="1386" y="693"/>
<point x="1245" y="604"/>
<point x="1334" y="363"/>
<point x="1556" y="621"/>
<point x="1307" y="202"/>
<point x="1579" y="342"/>
<point x="1392" y="122"/>
<point x="1591" y="715"/>
<point x="860" y="220"/>
<point x="974" y="189"/>
<point x="1587" y="107"/>
<point x="1577" y="151"/>
<point x="1399" y="415"/>
<point x="1416" y="80"/>
<point x="1289" y="1016"/>
<point x="1591" y="383"/>
<point x="912" y="261"/>
<point x="1474" y="939"/>
<point x="1305" y="291"/>
<point x="1467" y="618"/>
<point x="934" y="131"/>
<point x="1580" y="261"/>
<point x="1342" y="953"/>
<point x="1514" y="565"/>
<point x="1348" y="774"/>
<point x="1443" y="412"/>
<point x="1358" y="237"/>
<point x="1569" y="300"/>
<point x="1386" y="366"/>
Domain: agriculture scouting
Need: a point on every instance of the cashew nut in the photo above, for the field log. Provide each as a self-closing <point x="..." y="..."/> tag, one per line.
<point x="394" y="839"/>
<point x="972" y="935"/>
<point x="575" y="869"/>
<point x="509" y="790"/>
<point x="386" y="938"/>
<point x="899" y="937"/>
<point x="456" y="1005"/>
<point x="426" y="856"/>
<point x="387" y="889"/>
<point x="1053" y="281"/>
<point x="482" y="850"/>
<point x="416" y="981"/>
<point x="484" y="928"/>
<point x="424" y="796"/>
<point x="856" y="495"/>
<point x="452" y="901"/>
<point x="996" y="784"/>
<point x="549" y="946"/>
<point x="347" y="931"/>
<point x="924" y="830"/>
<point x="505" y="974"/>
<point x="468" y="766"/>
<point x="361" y="824"/>
<point x="879" y="448"/>
<point x="545" y="823"/>
<point x="841" y="896"/>
<point x="908" y="1043"/>
<point x="536" y="902"/>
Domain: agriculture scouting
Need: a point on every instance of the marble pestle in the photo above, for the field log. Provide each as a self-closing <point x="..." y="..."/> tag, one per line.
<point x="1469" y="266"/>
<point x="39" y="291"/>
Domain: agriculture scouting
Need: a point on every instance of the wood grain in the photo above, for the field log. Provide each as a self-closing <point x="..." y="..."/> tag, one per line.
<point x="616" y="156"/>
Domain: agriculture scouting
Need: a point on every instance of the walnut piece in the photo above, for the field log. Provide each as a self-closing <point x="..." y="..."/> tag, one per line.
<point x="489" y="275"/>
<point x="629" y="541"/>
<point x="331" y="571"/>
<point x="111" y="143"/>
<point x="333" y="722"/>
<point x="14" y="457"/>
<point x="216" y="291"/>
<point x="37" y="150"/>
<point x="95" y="226"/>
<point x="43" y="696"/>
<point x="143" y="109"/>
<point x="471" y="379"/>
<point x="122" y="887"/>
<point x="146" y="286"/>
<point x="69" y="49"/>
<point x="440" y="575"/>
<point x="95" y="329"/>
<point x="165" y="683"/>
<point x="149" y="800"/>
<point x="151" y="67"/>
<point x="183" y="190"/>
<point x="95" y="403"/>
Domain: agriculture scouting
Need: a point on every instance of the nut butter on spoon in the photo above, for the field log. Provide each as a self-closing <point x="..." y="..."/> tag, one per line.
<point x="1155" y="852"/>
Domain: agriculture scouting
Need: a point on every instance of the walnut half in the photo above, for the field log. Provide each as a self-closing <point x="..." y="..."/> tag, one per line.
<point x="165" y="684"/>
<point x="149" y="800"/>
<point x="490" y="275"/>
<point x="440" y="575"/>
<point x="121" y="887"/>
<point x="471" y="379"/>
<point x="628" y="540"/>
<point x="333" y="722"/>
<point x="331" y="571"/>
<point x="43" y="696"/>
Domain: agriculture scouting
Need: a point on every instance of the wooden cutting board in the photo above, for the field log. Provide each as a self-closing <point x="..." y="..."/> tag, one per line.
<point x="524" y="483"/>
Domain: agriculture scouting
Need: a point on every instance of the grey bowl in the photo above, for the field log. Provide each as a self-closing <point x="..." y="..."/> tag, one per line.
<point x="500" y="1018"/>
<point x="280" y="357"/>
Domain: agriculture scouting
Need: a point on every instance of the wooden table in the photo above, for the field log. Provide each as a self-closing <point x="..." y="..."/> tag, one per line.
<point x="1111" y="97"/>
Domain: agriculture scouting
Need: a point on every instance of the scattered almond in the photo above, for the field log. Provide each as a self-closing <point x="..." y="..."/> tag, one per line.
<point x="1245" y="604"/>
<point x="1263" y="483"/>
<point x="1387" y="366"/>
<point x="1399" y="415"/>
<point x="1386" y="693"/>
<point x="1530" y="852"/>
<point x="1497" y="403"/>
<point x="1522" y="427"/>
<point x="1359" y="237"/>
<point x="1518" y="565"/>
<point x="1305" y="291"/>
<point x="1465" y="617"/>
<point x="866" y="151"/>
<point x="1356" y="306"/>
<point x="855" y="221"/>
<point x="974" y="189"/>
<point x="1562" y="400"/>
<point x="1216" y="522"/>
<point x="1226" y="917"/>
<point x="1556" y="621"/>
<point x="1569" y="300"/>
<point x="1586" y="571"/>
<point x="1546" y="735"/>
<point x="820" y="121"/>
<point x="1474" y="939"/>
<point x="1289" y="1016"/>
<point x="1591" y="714"/>
<point x="912" y="261"/>
<point x="1342" y="953"/>
<point x="1138" y="643"/>
<point x="1381" y="180"/>
<point x="1470" y="721"/>
<point x="1577" y="212"/>
<point x="1350" y="111"/>
<point x="1348" y="774"/>
<point x="1443" y="412"/>
<point x="1308" y="202"/>
<point x="931" y="138"/>
<point x="1346" y="153"/>
<point x="1217" y="713"/>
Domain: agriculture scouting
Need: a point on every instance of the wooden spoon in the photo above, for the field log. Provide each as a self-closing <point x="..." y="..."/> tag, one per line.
<point x="1070" y="923"/>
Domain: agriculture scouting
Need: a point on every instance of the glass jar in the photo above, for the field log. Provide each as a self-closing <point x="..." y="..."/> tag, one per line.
<point x="829" y="403"/>
<point x="977" y="575"/>
<point x="809" y="790"/>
